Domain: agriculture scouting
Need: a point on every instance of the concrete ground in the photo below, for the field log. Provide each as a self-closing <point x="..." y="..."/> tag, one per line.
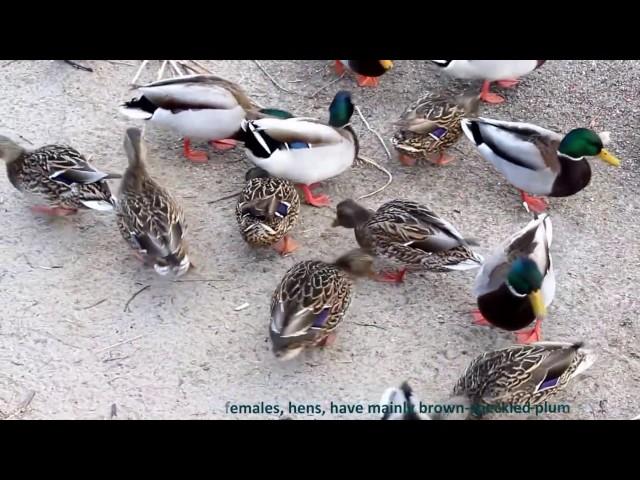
<point x="70" y="349"/>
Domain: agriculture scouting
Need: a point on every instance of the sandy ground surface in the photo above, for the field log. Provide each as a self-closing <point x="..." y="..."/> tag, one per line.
<point x="69" y="350"/>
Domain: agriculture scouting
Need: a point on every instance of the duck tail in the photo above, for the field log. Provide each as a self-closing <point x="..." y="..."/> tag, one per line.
<point x="138" y="108"/>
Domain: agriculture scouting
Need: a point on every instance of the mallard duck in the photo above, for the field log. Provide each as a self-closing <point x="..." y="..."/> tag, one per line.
<point x="431" y="125"/>
<point x="311" y="301"/>
<point x="498" y="381"/>
<point x="516" y="283"/>
<point x="409" y="233"/>
<point x="505" y="72"/>
<point x="303" y="150"/>
<point x="202" y="107"/>
<point x="400" y="404"/>
<point x="521" y="374"/>
<point x="149" y="218"/>
<point x="536" y="160"/>
<point x="267" y="210"/>
<point x="367" y="71"/>
<point x="58" y="174"/>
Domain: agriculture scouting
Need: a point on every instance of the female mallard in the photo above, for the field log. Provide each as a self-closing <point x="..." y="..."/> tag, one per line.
<point x="409" y="233"/>
<point x="536" y="160"/>
<point x="496" y="381"/>
<point x="431" y="125"/>
<point x="267" y="210"/>
<point x="149" y="218"/>
<point x="311" y="301"/>
<point x="516" y="283"/>
<point x="367" y="71"/>
<point x="303" y="150"/>
<point x="505" y="72"/>
<point x="521" y="374"/>
<point x="202" y="107"/>
<point x="58" y="174"/>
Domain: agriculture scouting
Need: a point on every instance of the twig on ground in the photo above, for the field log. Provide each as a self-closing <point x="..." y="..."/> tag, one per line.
<point x="380" y="139"/>
<point x="120" y="62"/>
<point x="77" y="66"/>
<point x="93" y="304"/>
<point x="335" y="80"/>
<point x="202" y="280"/>
<point x="273" y="80"/>
<point x="126" y="306"/>
<point x="382" y="169"/>
<point x="370" y="325"/>
<point x="226" y="197"/>
<point x="139" y="72"/>
<point x="123" y="342"/>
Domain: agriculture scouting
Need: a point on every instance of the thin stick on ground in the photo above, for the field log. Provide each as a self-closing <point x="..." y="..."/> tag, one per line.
<point x="77" y="66"/>
<point x="126" y="306"/>
<point x="370" y="325"/>
<point x="226" y="197"/>
<point x="380" y="139"/>
<point x="335" y="80"/>
<point x="273" y="80"/>
<point x="202" y="67"/>
<point x="201" y="280"/>
<point x="94" y="304"/>
<point x="378" y="167"/>
<point x="161" y="71"/>
<point x="120" y="62"/>
<point x="176" y="68"/>
<point x="123" y="342"/>
<point x="138" y="73"/>
<point x="373" y="162"/>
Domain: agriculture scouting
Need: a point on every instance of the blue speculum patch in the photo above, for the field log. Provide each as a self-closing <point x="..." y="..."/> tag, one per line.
<point x="438" y="133"/>
<point x="298" y="145"/>
<point x="321" y="318"/>
<point x="282" y="209"/>
<point x="552" y="382"/>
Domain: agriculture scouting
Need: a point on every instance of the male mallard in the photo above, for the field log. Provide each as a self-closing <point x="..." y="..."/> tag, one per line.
<point x="149" y="218"/>
<point x="409" y="233"/>
<point x="431" y="125"/>
<point x="58" y="174"/>
<point x="311" y="301"/>
<point x="367" y="71"/>
<point x="536" y="160"/>
<point x="516" y="283"/>
<point x="505" y="72"/>
<point x="497" y="381"/>
<point x="202" y="107"/>
<point x="267" y="210"/>
<point x="303" y="150"/>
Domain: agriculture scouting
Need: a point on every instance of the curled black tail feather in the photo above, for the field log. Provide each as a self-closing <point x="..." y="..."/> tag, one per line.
<point x="141" y="103"/>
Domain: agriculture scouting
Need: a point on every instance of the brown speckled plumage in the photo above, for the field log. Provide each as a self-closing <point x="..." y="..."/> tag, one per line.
<point x="409" y="233"/>
<point x="312" y="299"/>
<point x="432" y="124"/>
<point x="149" y="218"/>
<point x="57" y="174"/>
<point x="268" y="208"/>
<point x="522" y="373"/>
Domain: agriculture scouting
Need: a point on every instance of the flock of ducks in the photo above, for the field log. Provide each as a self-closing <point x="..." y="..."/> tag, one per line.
<point x="514" y="285"/>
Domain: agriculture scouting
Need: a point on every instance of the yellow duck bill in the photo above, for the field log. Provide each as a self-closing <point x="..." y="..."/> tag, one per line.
<point x="537" y="303"/>
<point x="606" y="156"/>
